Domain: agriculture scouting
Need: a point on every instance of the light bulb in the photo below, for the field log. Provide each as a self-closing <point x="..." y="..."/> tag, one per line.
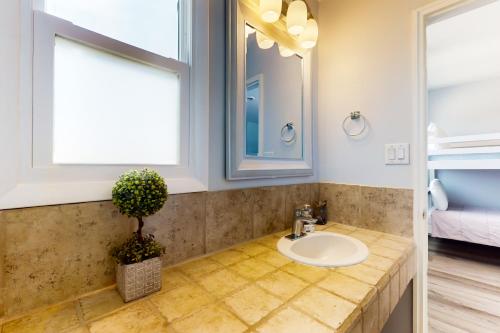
<point x="285" y="52"/>
<point x="309" y="36"/>
<point x="270" y="10"/>
<point x="296" y="17"/>
<point x="263" y="41"/>
<point x="249" y="30"/>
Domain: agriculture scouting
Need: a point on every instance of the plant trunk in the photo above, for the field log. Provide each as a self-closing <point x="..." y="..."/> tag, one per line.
<point x="139" y="228"/>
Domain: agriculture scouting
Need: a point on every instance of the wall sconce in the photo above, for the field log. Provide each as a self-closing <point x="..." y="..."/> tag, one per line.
<point x="309" y="36"/>
<point x="263" y="41"/>
<point x="285" y="52"/>
<point x="296" y="17"/>
<point x="300" y="24"/>
<point x="248" y="30"/>
<point x="270" y="10"/>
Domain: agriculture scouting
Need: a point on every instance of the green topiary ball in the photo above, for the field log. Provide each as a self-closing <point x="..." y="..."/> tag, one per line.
<point x="140" y="193"/>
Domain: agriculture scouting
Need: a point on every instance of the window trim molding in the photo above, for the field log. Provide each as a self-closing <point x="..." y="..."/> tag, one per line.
<point x="32" y="187"/>
<point x="46" y="29"/>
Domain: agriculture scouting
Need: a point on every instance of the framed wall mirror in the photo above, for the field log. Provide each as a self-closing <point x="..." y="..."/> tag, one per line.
<point x="269" y="120"/>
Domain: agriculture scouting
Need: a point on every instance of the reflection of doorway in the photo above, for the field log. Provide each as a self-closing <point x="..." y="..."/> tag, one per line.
<point x="254" y="116"/>
<point x="457" y="60"/>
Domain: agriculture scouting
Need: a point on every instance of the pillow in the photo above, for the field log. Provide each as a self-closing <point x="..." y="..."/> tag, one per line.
<point x="438" y="195"/>
<point x="435" y="132"/>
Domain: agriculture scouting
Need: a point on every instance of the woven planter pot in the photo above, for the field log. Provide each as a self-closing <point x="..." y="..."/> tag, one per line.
<point x="138" y="280"/>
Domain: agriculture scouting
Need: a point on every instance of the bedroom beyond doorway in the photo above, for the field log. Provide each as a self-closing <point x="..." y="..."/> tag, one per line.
<point x="463" y="168"/>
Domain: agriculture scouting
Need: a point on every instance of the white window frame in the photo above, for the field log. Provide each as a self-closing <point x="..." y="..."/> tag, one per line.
<point x="37" y="180"/>
<point x="46" y="29"/>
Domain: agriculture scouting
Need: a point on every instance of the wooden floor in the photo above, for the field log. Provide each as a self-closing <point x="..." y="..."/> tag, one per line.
<point x="464" y="294"/>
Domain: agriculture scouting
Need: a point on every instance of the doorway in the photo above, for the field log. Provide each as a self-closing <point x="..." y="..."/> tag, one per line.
<point x="457" y="154"/>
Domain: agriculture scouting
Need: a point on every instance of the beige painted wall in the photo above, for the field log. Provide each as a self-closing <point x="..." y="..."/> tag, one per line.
<point x="365" y="63"/>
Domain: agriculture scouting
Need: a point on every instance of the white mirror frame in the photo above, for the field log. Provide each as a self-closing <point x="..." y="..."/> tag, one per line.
<point x="238" y="165"/>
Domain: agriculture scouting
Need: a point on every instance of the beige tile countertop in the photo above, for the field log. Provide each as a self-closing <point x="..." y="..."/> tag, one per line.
<point x="249" y="288"/>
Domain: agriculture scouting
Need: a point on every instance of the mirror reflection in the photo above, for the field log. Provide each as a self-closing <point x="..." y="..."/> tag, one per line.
<point x="273" y="101"/>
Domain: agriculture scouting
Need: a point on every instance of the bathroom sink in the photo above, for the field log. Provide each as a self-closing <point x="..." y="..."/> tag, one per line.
<point x="325" y="249"/>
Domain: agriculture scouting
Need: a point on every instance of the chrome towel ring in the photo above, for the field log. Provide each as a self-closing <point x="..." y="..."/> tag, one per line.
<point x="288" y="133"/>
<point x="354" y="116"/>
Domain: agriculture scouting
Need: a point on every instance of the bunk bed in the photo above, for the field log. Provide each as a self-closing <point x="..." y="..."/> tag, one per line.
<point x="460" y="222"/>
<point x="466" y="223"/>
<point x="468" y="152"/>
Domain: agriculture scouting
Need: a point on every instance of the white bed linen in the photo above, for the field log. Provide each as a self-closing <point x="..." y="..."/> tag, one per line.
<point x="470" y="224"/>
<point x="429" y="219"/>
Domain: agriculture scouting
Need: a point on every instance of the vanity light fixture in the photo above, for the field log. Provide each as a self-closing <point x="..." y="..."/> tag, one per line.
<point x="270" y="10"/>
<point x="309" y="36"/>
<point x="263" y="41"/>
<point x="300" y="24"/>
<point x="296" y="17"/>
<point x="285" y="52"/>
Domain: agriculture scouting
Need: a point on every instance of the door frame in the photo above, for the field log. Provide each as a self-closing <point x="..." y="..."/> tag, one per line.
<point x="422" y="16"/>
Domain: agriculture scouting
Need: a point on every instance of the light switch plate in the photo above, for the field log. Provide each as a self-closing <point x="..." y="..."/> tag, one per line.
<point x="397" y="153"/>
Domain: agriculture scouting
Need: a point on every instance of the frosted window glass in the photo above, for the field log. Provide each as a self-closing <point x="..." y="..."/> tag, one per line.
<point x="152" y="25"/>
<point x="111" y="110"/>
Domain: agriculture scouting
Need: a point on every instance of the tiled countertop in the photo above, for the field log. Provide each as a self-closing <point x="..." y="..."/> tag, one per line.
<point x="249" y="288"/>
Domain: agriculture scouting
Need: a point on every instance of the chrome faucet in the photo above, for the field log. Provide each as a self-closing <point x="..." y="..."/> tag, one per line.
<point x="302" y="215"/>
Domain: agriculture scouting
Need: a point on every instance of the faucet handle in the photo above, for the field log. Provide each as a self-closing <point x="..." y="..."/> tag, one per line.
<point x="303" y="211"/>
<point x="308" y="211"/>
<point x="299" y="212"/>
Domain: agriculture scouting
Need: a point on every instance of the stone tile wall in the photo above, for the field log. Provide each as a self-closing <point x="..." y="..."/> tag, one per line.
<point x="249" y="288"/>
<point x="378" y="208"/>
<point x="2" y="265"/>
<point x="52" y="253"/>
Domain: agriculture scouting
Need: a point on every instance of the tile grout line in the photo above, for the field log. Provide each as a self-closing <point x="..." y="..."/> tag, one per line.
<point x="283" y="306"/>
<point x="344" y="298"/>
<point x="289" y="302"/>
<point x="156" y="310"/>
<point x="316" y="285"/>
<point x="79" y="312"/>
<point x="219" y="301"/>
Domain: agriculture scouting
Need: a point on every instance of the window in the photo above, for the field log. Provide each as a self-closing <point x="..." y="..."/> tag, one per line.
<point x="106" y="86"/>
<point x="112" y="110"/>
<point x="152" y="25"/>
<point x="113" y="99"/>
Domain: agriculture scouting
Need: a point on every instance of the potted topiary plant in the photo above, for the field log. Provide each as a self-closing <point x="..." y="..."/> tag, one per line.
<point x="139" y="193"/>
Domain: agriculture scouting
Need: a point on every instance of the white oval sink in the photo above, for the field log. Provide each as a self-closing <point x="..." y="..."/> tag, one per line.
<point x="325" y="249"/>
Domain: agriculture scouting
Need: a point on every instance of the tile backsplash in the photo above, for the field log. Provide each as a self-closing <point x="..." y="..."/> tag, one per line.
<point x="378" y="208"/>
<point x="53" y="253"/>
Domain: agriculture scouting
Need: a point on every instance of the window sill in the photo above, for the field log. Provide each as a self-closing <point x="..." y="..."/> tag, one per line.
<point x="44" y="194"/>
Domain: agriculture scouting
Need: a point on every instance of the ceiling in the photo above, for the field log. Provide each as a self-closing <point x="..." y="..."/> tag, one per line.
<point x="464" y="48"/>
